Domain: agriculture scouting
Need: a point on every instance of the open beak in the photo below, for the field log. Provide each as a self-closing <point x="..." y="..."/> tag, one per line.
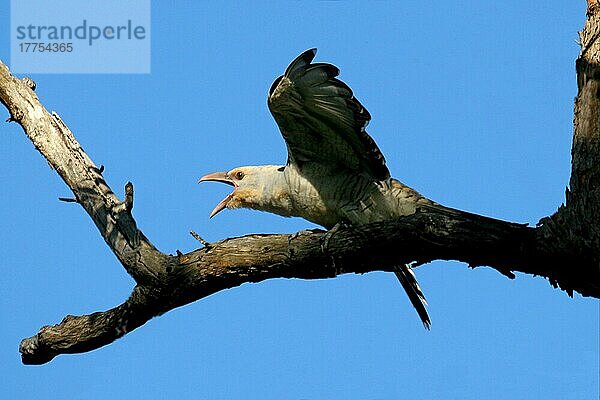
<point x="223" y="178"/>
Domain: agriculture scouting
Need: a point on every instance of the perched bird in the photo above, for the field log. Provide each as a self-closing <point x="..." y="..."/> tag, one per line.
<point x="335" y="173"/>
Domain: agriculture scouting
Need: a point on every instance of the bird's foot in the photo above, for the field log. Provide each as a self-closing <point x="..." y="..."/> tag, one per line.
<point x="330" y="233"/>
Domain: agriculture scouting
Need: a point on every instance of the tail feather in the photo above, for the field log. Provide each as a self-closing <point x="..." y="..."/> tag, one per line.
<point x="413" y="290"/>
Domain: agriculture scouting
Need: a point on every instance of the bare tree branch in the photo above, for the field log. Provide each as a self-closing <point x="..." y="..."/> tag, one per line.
<point x="564" y="248"/>
<point x="253" y="258"/>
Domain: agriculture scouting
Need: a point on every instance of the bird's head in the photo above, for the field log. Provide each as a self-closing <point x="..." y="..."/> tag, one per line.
<point x="254" y="187"/>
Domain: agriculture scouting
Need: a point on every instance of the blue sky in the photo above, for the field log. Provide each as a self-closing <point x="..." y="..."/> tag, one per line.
<point x="471" y="104"/>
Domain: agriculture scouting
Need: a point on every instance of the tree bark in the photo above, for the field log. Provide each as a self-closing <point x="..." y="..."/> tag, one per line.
<point x="564" y="247"/>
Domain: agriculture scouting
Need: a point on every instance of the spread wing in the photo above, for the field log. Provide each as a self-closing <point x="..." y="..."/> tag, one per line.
<point x="321" y="121"/>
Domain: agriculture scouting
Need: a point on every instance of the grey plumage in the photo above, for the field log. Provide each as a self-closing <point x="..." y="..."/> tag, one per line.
<point x="334" y="173"/>
<point x="322" y="121"/>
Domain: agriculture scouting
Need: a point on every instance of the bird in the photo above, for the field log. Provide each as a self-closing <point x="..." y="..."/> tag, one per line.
<point x="335" y="173"/>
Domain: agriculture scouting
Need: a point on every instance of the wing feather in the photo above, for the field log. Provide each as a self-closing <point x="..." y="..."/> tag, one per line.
<point x="321" y="120"/>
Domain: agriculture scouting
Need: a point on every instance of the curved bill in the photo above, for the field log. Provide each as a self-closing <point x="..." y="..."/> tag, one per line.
<point x="223" y="178"/>
<point x="221" y="206"/>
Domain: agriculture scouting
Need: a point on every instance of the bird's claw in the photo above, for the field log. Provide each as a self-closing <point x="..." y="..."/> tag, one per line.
<point x="330" y="233"/>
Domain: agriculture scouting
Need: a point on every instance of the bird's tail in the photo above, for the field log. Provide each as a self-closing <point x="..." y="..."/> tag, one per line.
<point x="413" y="290"/>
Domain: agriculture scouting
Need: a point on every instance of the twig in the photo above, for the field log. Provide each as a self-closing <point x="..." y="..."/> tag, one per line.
<point x="199" y="238"/>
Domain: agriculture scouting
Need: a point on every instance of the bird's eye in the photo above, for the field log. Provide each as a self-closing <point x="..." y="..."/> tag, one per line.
<point x="239" y="175"/>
